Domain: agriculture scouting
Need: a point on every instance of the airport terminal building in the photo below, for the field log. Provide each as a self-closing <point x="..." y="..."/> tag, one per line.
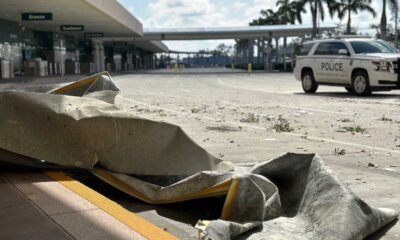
<point x="56" y="37"/>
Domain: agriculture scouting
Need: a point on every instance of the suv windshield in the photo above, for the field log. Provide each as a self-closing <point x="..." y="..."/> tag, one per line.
<point x="363" y="47"/>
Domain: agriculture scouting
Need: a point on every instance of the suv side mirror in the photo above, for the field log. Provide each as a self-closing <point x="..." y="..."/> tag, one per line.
<point x="343" y="52"/>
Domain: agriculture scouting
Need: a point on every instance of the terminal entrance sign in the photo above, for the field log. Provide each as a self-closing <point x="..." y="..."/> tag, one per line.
<point x="94" y="35"/>
<point x="71" y="28"/>
<point x="37" y="16"/>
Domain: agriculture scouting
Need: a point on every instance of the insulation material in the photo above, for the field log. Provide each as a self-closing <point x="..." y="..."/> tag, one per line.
<point x="291" y="197"/>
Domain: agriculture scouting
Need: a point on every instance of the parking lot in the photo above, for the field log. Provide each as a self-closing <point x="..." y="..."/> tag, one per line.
<point x="250" y="118"/>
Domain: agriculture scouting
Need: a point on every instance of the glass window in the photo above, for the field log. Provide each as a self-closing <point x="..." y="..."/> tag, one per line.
<point x="337" y="46"/>
<point x="305" y="49"/>
<point x="324" y="49"/>
<point x="363" y="47"/>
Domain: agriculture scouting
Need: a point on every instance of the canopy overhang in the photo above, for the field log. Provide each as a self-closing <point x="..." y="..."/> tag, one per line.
<point x="231" y="32"/>
<point x="109" y="18"/>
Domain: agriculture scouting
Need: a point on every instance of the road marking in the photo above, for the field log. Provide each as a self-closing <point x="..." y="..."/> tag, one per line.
<point x="343" y="143"/>
<point x="317" y="110"/>
<point x="264" y="128"/>
<point x="133" y="221"/>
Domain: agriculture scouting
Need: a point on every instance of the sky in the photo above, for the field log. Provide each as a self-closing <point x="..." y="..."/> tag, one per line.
<point x="221" y="13"/>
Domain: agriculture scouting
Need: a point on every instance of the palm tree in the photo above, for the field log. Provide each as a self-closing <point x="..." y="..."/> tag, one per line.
<point x="383" y="24"/>
<point x="288" y="12"/>
<point x="353" y="6"/>
<point x="317" y="8"/>
<point x="395" y="12"/>
<point x="268" y="17"/>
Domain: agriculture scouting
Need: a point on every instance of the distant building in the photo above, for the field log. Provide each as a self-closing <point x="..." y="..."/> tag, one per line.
<point x="40" y="38"/>
<point x="206" y="61"/>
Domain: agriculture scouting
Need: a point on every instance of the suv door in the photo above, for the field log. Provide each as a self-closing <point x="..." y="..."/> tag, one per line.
<point x="341" y="62"/>
<point x="330" y="65"/>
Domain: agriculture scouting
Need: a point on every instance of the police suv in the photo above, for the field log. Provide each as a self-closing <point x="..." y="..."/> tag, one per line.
<point x="360" y="65"/>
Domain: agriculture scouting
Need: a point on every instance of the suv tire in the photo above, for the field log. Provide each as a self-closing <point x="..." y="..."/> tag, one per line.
<point x="360" y="82"/>
<point x="308" y="82"/>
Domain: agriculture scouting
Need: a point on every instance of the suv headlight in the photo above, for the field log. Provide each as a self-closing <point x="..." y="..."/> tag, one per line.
<point x="382" y="66"/>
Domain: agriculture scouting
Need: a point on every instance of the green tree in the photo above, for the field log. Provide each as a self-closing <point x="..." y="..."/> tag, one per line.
<point x="287" y="11"/>
<point x="268" y="17"/>
<point x="288" y="14"/>
<point x="317" y="10"/>
<point x="353" y="6"/>
<point x="223" y="50"/>
<point x="395" y="13"/>
<point x="383" y="24"/>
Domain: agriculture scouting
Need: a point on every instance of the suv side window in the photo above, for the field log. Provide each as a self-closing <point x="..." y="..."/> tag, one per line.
<point x="305" y="49"/>
<point x="337" y="46"/>
<point x="324" y="48"/>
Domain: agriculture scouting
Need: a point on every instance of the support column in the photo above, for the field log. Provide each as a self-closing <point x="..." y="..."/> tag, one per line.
<point x="96" y="55"/>
<point x="102" y="59"/>
<point x="251" y="51"/>
<point x="258" y="50"/>
<point x="262" y="50"/>
<point x="277" y="50"/>
<point x="269" y="54"/>
<point x="284" y="49"/>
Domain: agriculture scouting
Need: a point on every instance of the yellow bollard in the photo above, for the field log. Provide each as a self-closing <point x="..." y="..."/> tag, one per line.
<point x="176" y="68"/>
<point x="249" y="68"/>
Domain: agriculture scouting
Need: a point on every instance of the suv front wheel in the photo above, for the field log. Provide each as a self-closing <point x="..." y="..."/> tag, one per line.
<point x="360" y="82"/>
<point x="308" y="82"/>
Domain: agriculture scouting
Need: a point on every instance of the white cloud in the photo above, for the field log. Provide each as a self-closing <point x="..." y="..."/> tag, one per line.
<point x="212" y="13"/>
<point x="188" y="13"/>
<point x="199" y="13"/>
<point x="253" y="9"/>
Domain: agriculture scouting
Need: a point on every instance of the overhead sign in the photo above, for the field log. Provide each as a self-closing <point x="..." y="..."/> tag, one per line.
<point x="94" y="35"/>
<point x="71" y="28"/>
<point x="36" y="16"/>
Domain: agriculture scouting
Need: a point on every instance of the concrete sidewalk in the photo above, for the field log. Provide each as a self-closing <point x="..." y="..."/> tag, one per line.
<point x="35" y="206"/>
<point x="36" y="82"/>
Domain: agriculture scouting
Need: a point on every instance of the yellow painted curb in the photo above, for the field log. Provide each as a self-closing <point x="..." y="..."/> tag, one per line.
<point x="135" y="222"/>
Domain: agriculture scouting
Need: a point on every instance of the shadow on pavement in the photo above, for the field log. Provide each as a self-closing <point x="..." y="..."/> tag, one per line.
<point x="350" y="95"/>
<point x="188" y="212"/>
<point x="382" y="232"/>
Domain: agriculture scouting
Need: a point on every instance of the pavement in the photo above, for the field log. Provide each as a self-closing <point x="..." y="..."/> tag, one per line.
<point x="236" y="116"/>
<point x="51" y="205"/>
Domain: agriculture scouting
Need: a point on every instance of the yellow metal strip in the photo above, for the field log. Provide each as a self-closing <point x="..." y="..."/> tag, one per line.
<point x="135" y="222"/>
<point x="83" y="82"/>
<point x="216" y="190"/>
<point x="230" y="199"/>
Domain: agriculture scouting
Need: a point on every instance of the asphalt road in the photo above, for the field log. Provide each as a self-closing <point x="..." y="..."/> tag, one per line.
<point x="235" y="117"/>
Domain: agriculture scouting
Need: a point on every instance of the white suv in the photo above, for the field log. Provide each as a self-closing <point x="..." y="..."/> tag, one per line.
<point x="360" y="65"/>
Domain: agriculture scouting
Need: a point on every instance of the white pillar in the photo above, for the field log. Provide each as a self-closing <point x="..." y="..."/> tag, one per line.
<point x="96" y="55"/>
<point x="102" y="59"/>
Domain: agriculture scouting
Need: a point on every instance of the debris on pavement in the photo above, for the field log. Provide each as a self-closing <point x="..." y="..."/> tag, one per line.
<point x="250" y="118"/>
<point x="370" y="164"/>
<point x="282" y="125"/>
<point x="339" y="151"/>
<point x="293" y="196"/>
